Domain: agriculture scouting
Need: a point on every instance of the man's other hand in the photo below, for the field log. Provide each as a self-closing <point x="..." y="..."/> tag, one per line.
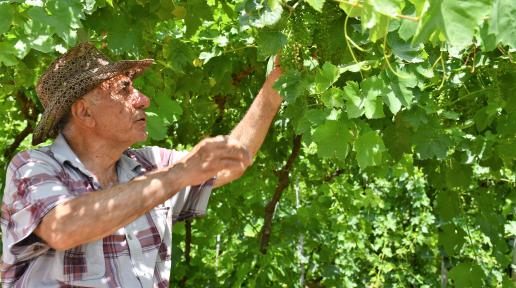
<point x="217" y="156"/>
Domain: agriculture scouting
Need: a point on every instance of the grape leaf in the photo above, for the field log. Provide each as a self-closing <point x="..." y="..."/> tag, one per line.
<point x="68" y="15"/>
<point x="461" y="18"/>
<point x="408" y="28"/>
<point x="196" y="12"/>
<point x="388" y="7"/>
<point x="369" y="147"/>
<point x="448" y="204"/>
<point x="270" y="43"/>
<point x="365" y="101"/>
<point x="507" y="82"/>
<point x="405" y="50"/>
<point x="325" y="77"/>
<point x="290" y="86"/>
<point x="467" y="275"/>
<point x="392" y="101"/>
<point x="458" y="175"/>
<point x="485" y="116"/>
<point x="310" y="118"/>
<point x="431" y="142"/>
<point x="6" y="16"/>
<point x="354" y="105"/>
<point x="178" y="56"/>
<point x="492" y="225"/>
<point x="375" y="23"/>
<point x="398" y="139"/>
<point x="502" y="22"/>
<point x="332" y="139"/>
<point x="488" y="41"/>
<point x="430" y="23"/>
<point x="316" y="4"/>
<point x="64" y="20"/>
<point x="452" y="238"/>
<point x="256" y="14"/>
<point x="372" y="88"/>
<point x="333" y="97"/>
<point x="8" y="54"/>
<point x="507" y="151"/>
<point x="157" y="126"/>
<point x="456" y="19"/>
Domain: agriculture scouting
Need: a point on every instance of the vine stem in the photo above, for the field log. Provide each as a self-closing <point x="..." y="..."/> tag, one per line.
<point x="283" y="182"/>
<point x="514" y="260"/>
<point x="188" y="248"/>
<point x="290" y="8"/>
<point x="444" y="272"/>
<point x="500" y="48"/>
<point x="30" y="112"/>
<point x="348" y="41"/>
<point x="444" y="71"/>
<point x="301" y="239"/>
<point x="471" y="242"/>
<point x="386" y="57"/>
<point x="239" y="48"/>
<point x="9" y="151"/>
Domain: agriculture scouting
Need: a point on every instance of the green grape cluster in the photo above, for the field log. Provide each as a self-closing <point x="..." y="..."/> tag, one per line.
<point x="300" y="29"/>
<point x="313" y="35"/>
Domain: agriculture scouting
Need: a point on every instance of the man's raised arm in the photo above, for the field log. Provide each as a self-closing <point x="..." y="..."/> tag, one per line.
<point x="252" y="129"/>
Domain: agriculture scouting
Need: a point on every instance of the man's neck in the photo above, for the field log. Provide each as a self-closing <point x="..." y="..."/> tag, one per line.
<point x="97" y="155"/>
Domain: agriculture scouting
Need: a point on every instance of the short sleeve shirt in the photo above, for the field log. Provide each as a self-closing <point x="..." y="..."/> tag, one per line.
<point x="137" y="255"/>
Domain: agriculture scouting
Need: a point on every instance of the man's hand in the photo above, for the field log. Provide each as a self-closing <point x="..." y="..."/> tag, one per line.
<point x="212" y="155"/>
<point x="276" y="69"/>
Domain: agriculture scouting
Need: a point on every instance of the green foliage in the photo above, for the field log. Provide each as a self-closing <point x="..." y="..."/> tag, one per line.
<point x="405" y="107"/>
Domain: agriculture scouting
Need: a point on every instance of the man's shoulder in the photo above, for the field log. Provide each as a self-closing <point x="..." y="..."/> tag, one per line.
<point x="28" y="168"/>
<point x="32" y="157"/>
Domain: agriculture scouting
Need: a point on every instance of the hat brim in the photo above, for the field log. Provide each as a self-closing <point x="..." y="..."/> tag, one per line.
<point x="47" y="126"/>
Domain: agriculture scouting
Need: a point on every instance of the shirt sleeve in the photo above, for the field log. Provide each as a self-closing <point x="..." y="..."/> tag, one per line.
<point x="33" y="188"/>
<point x="191" y="201"/>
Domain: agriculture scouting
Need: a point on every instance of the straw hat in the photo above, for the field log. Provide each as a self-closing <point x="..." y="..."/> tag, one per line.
<point x="70" y="77"/>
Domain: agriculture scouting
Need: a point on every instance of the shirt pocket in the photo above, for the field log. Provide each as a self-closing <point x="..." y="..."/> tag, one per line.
<point x="81" y="265"/>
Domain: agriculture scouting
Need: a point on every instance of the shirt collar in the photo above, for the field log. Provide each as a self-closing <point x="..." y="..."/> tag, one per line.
<point x="64" y="154"/>
<point x="127" y="167"/>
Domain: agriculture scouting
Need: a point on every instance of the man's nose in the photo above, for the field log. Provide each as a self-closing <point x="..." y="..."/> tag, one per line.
<point x="139" y="100"/>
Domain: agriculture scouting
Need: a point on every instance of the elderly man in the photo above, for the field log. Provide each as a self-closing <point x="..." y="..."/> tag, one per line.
<point x="87" y="211"/>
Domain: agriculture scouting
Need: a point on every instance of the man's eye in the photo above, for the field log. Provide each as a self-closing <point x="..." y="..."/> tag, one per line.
<point x="126" y="85"/>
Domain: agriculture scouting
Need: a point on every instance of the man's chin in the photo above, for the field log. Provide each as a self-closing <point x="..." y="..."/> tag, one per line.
<point x="143" y="137"/>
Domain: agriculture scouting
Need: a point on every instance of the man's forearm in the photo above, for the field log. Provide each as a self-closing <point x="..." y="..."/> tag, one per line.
<point x="102" y="212"/>
<point x="252" y="129"/>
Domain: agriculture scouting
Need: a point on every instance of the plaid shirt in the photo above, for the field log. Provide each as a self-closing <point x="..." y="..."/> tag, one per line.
<point x="137" y="255"/>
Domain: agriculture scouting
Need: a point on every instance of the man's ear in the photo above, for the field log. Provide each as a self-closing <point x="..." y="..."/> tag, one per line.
<point x="81" y="113"/>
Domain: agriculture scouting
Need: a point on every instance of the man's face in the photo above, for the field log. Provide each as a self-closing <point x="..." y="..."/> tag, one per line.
<point x="119" y="111"/>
